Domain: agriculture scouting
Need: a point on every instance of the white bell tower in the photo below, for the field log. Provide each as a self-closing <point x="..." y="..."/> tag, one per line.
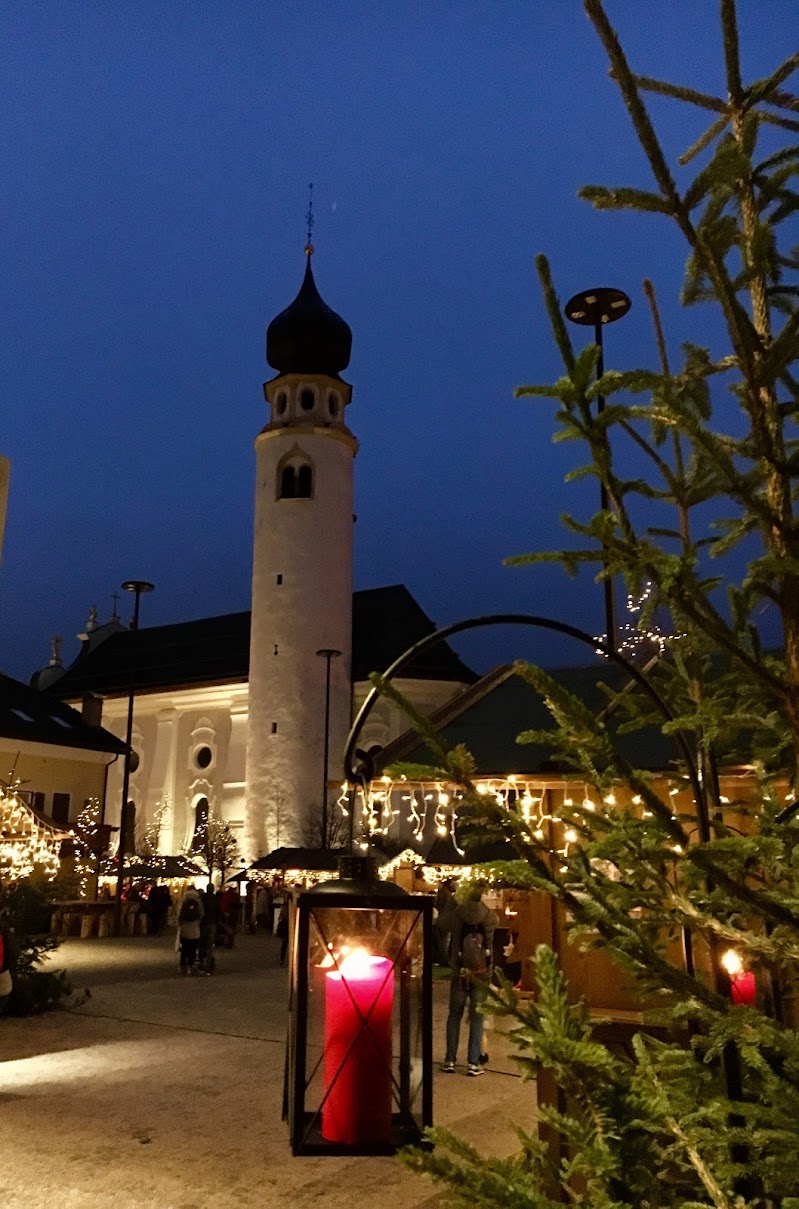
<point x="302" y="575"/>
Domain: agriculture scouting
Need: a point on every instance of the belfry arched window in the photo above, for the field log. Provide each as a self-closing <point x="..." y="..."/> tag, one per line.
<point x="295" y="478"/>
<point x="304" y="482"/>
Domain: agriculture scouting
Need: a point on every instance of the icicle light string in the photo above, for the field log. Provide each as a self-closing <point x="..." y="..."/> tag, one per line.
<point x="379" y="804"/>
<point x="26" y="843"/>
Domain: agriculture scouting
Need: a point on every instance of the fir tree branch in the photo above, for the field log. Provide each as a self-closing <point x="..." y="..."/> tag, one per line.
<point x="680" y="93"/>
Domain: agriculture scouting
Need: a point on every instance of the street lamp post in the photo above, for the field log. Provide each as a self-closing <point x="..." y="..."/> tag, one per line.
<point x="138" y="587"/>
<point x="327" y="653"/>
<point x="595" y="308"/>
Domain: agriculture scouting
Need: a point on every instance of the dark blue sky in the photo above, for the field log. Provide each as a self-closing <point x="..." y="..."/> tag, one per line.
<point x="154" y="165"/>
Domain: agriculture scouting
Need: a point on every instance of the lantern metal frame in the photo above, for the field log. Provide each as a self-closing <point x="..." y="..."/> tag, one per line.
<point x="411" y="1111"/>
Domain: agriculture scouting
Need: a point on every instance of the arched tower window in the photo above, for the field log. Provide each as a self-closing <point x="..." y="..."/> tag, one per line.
<point x="295" y="477"/>
<point x="304" y="482"/>
<point x="288" y="483"/>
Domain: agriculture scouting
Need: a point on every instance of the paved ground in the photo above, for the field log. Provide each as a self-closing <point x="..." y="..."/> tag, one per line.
<point x="164" y="1093"/>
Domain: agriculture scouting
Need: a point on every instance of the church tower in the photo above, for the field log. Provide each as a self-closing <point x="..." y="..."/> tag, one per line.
<point x="302" y="574"/>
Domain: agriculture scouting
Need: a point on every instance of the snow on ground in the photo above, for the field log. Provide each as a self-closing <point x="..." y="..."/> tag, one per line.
<point x="161" y="1092"/>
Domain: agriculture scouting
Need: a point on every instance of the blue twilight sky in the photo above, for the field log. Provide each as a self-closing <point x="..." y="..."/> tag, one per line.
<point x="154" y="167"/>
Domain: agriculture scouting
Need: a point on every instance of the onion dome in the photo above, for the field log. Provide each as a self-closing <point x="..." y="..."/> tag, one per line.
<point x="308" y="337"/>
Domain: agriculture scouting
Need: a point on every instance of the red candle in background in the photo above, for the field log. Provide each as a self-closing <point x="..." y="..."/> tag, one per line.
<point x="743" y="989"/>
<point x="358" y="1106"/>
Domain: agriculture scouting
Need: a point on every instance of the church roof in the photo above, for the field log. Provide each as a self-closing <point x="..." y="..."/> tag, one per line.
<point x="308" y="337"/>
<point x="28" y="716"/>
<point x="216" y="650"/>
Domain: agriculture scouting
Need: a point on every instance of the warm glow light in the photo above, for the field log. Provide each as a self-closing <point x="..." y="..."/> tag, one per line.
<point x="357" y="964"/>
<point x="570" y="835"/>
<point x="732" y="963"/>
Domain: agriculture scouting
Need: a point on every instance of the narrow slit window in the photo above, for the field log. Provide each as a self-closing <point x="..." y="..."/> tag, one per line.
<point x="288" y="483"/>
<point x="304" y="486"/>
<point x="274" y="728"/>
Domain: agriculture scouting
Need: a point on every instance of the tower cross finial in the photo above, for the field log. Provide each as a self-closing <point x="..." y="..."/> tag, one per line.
<point x="309" y="219"/>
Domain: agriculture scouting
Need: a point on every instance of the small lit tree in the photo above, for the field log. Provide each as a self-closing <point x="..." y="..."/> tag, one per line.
<point x="214" y="847"/>
<point x="148" y="838"/>
<point x="91" y="843"/>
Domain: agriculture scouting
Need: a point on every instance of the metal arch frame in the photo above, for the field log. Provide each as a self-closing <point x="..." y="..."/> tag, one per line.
<point x="536" y="622"/>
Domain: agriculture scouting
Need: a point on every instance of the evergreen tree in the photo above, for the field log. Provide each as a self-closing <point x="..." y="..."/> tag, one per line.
<point x="710" y="1114"/>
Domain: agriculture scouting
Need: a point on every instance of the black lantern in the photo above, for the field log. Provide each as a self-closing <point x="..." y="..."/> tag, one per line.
<point x="360" y="1048"/>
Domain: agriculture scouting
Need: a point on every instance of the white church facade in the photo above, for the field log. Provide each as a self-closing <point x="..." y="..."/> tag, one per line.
<point x="233" y="714"/>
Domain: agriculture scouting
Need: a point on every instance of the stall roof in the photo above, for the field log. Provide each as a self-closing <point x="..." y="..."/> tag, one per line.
<point x="314" y="860"/>
<point x="488" y="716"/>
<point x="318" y="860"/>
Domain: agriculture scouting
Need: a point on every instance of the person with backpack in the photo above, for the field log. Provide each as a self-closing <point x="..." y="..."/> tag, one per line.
<point x="471" y="925"/>
<point x="190" y="917"/>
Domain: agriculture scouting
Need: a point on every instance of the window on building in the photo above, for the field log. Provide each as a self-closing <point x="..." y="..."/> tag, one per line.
<point x="200" y="824"/>
<point x="37" y="801"/>
<point x="203" y="756"/>
<point x="332" y="404"/>
<point x="279" y="580"/>
<point x="60" y="811"/>
<point x="274" y="728"/>
<point x="304" y="482"/>
<point x="288" y="483"/>
<point x="130" y="828"/>
<point x="295" y="481"/>
<point x="307" y="400"/>
<point x="280" y="403"/>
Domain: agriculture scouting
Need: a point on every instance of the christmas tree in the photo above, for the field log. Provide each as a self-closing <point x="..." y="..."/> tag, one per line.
<point x="696" y="896"/>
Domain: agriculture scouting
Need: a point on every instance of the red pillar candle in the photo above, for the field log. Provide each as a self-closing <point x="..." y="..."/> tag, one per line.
<point x="743" y="988"/>
<point x="359" y="997"/>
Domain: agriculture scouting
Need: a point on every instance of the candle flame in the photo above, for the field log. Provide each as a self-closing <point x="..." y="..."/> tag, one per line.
<point x="732" y="963"/>
<point x="356" y="963"/>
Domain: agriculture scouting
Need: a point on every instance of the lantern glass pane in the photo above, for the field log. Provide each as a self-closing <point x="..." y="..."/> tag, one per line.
<point x="364" y="1050"/>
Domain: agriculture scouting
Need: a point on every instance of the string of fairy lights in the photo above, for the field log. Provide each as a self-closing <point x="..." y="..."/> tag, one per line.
<point x="27" y="843"/>
<point x="640" y="643"/>
<point x="547" y="813"/>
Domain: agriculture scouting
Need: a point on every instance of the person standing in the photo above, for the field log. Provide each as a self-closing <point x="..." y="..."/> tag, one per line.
<point x="7" y="959"/>
<point x="264" y="909"/>
<point x="190" y="917"/>
<point x="230" y="908"/>
<point x="207" y="961"/>
<point x="282" y="929"/>
<point x="471" y="925"/>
